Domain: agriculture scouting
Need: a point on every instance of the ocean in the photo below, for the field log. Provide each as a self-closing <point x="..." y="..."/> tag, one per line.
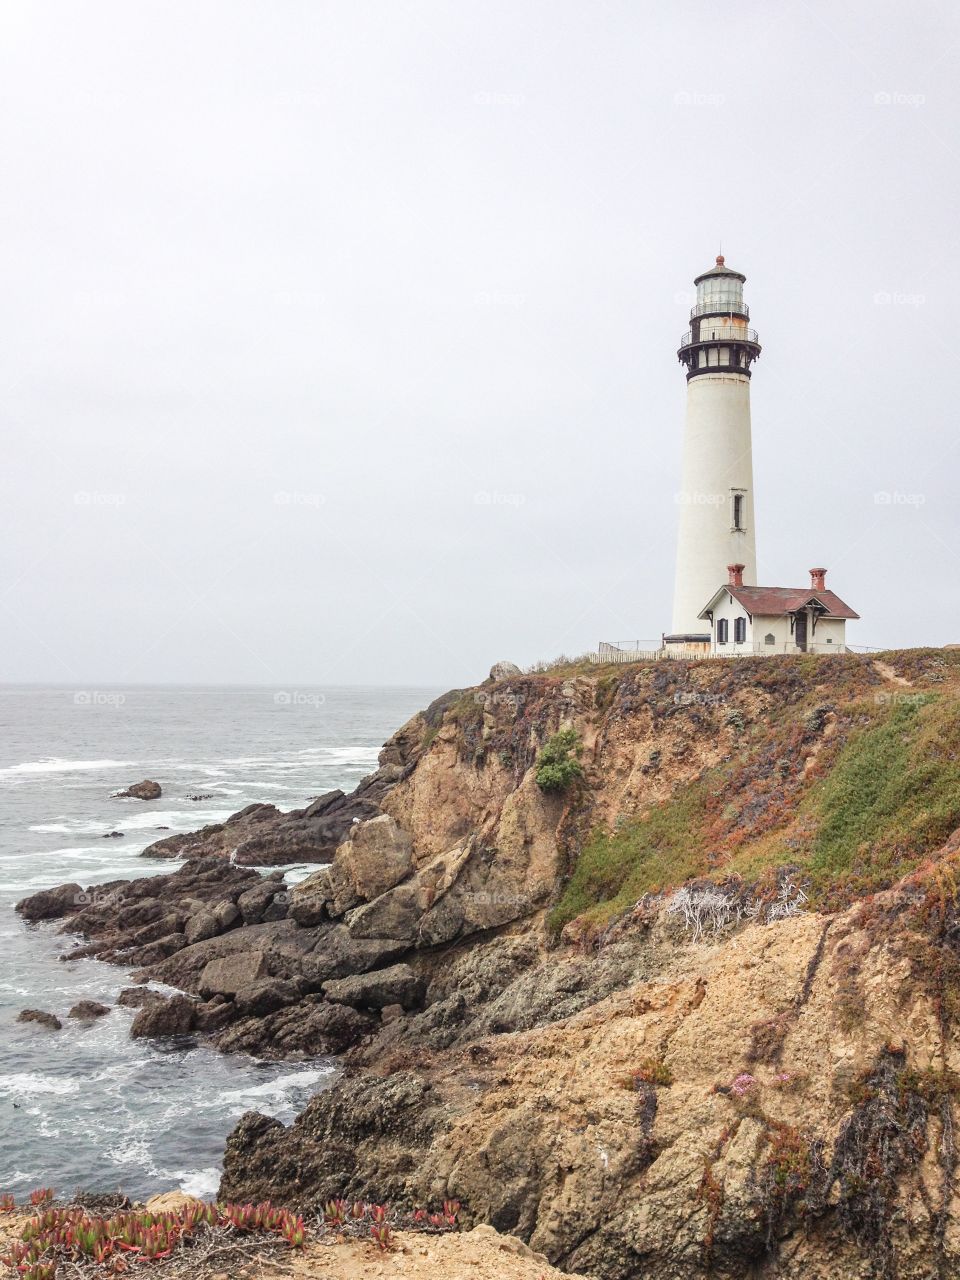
<point x="87" y="1107"/>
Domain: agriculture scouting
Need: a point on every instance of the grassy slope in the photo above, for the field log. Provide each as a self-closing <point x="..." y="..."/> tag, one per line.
<point x="881" y="795"/>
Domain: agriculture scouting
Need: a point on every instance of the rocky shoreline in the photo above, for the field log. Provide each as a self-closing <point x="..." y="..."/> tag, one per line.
<point x="706" y="1080"/>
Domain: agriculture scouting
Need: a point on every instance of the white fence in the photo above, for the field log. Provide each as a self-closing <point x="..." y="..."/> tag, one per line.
<point x="620" y="651"/>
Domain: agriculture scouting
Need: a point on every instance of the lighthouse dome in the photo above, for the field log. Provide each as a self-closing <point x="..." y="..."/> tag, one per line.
<point x="720" y="291"/>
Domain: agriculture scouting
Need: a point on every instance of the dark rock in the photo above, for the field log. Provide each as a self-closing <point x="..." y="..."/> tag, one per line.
<point x="183" y="970"/>
<point x="212" y="1016"/>
<point x="146" y="790"/>
<point x="51" y="904"/>
<point x="262" y="835"/>
<point x="88" y="1010"/>
<point x="337" y="954"/>
<point x="173" y="1016"/>
<point x="396" y="985"/>
<point x="112" y="835"/>
<point x="230" y="974"/>
<point x="264" y="996"/>
<point x="254" y="903"/>
<point x="309" y="1029"/>
<point x="154" y="952"/>
<point x="363" y="1138"/>
<point x="203" y="795"/>
<point x="42" y="1019"/>
<point x="138" y="997"/>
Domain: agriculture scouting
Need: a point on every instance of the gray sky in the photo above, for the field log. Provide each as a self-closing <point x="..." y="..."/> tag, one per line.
<point x="338" y="340"/>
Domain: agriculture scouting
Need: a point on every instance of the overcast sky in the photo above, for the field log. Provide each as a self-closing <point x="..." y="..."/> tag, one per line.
<point x="338" y="340"/>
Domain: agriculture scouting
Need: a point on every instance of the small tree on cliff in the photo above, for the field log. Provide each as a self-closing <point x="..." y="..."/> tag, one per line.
<point x="557" y="763"/>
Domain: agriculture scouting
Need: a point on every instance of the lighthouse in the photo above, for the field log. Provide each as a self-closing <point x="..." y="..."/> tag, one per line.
<point x="717" y="527"/>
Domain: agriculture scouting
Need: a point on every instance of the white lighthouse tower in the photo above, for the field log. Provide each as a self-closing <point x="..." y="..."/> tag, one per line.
<point x="716" y="497"/>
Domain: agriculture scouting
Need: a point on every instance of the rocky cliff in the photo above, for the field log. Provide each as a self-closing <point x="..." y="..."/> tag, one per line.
<point x="690" y="1013"/>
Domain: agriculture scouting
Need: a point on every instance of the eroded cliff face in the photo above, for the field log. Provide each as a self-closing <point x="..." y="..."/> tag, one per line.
<point x="682" y="1086"/>
<point x="694" y="1014"/>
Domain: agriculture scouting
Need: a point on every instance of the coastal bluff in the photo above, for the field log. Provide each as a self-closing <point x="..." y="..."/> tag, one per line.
<point x="684" y="1007"/>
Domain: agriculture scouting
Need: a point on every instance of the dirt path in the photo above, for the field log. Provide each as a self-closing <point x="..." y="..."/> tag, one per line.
<point x="884" y="669"/>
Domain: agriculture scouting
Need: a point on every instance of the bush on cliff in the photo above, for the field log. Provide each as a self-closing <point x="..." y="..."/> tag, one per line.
<point x="557" y="763"/>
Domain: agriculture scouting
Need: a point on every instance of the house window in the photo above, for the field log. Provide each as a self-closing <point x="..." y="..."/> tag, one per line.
<point x="722" y="630"/>
<point x="739" y="630"/>
<point x="769" y="638"/>
<point x="738" y="511"/>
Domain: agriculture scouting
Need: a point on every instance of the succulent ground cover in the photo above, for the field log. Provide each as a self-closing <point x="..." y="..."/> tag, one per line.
<point x="197" y="1238"/>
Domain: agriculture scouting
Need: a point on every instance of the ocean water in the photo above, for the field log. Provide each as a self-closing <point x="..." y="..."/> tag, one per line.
<point x="87" y="1106"/>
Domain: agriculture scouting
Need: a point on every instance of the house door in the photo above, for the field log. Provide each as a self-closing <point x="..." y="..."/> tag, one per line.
<point x="800" y="631"/>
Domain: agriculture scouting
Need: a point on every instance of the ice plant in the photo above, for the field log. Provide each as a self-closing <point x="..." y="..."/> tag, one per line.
<point x="382" y="1234"/>
<point x="450" y="1210"/>
<point x="43" y="1195"/>
<point x="7" y="1203"/>
<point x="335" y="1213"/>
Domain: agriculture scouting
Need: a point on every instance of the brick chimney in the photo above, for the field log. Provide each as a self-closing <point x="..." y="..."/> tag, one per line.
<point x="736" y="575"/>
<point x="818" y="579"/>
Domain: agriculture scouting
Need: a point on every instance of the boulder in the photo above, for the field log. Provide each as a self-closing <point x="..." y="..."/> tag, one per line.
<point x="337" y="954"/>
<point x="375" y="856"/>
<point x="51" y="904"/>
<point x="396" y="985"/>
<point x="504" y="671"/>
<point x="41" y="1019"/>
<point x="88" y="1010"/>
<point x="267" y="995"/>
<point x="230" y="974"/>
<point x="154" y="952"/>
<point x="171" y="1202"/>
<point x="145" y="790"/>
<point x="310" y="1029"/>
<point x="201" y="927"/>
<point x="254" y="903"/>
<point x="137" y="997"/>
<point x="173" y="1016"/>
<point x="212" y="921"/>
<point x="213" y="1015"/>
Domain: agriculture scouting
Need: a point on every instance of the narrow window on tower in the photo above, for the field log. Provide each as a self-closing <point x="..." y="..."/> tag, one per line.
<point x="738" y="511"/>
<point x="739" y="630"/>
<point x="722" y="630"/>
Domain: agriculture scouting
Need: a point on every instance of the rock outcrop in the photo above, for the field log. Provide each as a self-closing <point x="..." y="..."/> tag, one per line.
<point x="40" y="1018"/>
<point x="146" y="790"/>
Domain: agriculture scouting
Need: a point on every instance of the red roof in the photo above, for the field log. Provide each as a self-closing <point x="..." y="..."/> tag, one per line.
<point x="780" y="600"/>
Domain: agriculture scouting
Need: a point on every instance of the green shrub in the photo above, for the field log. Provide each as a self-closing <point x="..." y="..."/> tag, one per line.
<point x="557" y="763"/>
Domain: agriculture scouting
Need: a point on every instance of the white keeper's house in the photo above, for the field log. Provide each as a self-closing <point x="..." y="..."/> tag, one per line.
<point x="744" y="619"/>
